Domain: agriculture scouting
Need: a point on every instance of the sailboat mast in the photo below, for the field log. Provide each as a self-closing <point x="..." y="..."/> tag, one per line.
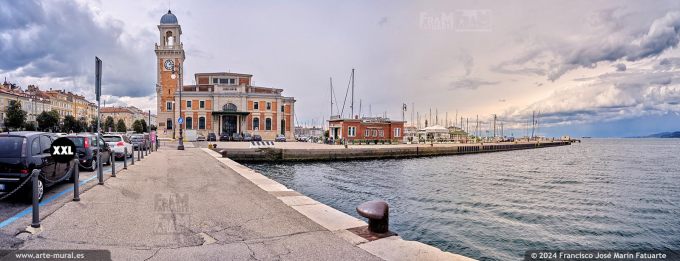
<point x="331" y="79"/>
<point x="352" y="104"/>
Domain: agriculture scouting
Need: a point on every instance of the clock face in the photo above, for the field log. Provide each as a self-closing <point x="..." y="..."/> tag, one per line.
<point x="169" y="64"/>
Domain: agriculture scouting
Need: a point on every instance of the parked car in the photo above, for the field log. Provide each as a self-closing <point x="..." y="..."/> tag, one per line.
<point x="236" y="137"/>
<point x="225" y="137"/>
<point x="247" y="137"/>
<point x="280" y="138"/>
<point x="118" y="143"/>
<point x="23" y="151"/>
<point x="86" y="147"/>
<point x="212" y="137"/>
<point x="200" y="137"/>
<point x="257" y="137"/>
<point x="138" y="141"/>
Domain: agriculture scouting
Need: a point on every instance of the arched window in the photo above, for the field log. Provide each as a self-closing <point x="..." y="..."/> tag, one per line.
<point x="190" y="123"/>
<point x="169" y="39"/>
<point x="229" y="107"/>
<point x="168" y="123"/>
<point x="201" y="123"/>
<point x="256" y="123"/>
<point x="268" y="124"/>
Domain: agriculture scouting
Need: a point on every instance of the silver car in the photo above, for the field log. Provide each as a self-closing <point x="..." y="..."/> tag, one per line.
<point x="118" y="143"/>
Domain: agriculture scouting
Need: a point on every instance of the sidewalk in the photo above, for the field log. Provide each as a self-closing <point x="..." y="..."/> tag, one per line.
<point x="186" y="205"/>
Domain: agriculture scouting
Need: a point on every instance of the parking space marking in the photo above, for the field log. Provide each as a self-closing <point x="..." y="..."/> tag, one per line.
<point x="28" y="210"/>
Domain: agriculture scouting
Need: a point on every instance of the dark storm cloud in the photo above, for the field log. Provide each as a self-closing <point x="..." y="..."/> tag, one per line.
<point x="620" y="67"/>
<point x="556" y="59"/>
<point x="669" y="63"/>
<point x="59" y="39"/>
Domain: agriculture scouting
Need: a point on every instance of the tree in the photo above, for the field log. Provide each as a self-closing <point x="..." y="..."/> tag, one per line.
<point x="120" y="126"/>
<point x="48" y="120"/>
<point x="82" y="124"/>
<point x="137" y="126"/>
<point x="93" y="124"/>
<point x="108" y="124"/>
<point x="145" y="128"/>
<point x="70" y="124"/>
<point x="16" y="117"/>
<point x="29" y="126"/>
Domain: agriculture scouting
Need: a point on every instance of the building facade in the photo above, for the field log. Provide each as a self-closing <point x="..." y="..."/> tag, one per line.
<point x="220" y="103"/>
<point x="128" y="114"/>
<point x="368" y="129"/>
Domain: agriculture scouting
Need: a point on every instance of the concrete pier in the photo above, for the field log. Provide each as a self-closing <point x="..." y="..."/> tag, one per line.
<point x="298" y="151"/>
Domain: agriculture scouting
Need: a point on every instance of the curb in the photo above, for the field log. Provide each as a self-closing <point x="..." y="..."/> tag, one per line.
<point x="389" y="248"/>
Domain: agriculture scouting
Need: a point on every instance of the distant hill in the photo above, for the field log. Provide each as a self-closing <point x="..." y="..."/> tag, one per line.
<point x="664" y="135"/>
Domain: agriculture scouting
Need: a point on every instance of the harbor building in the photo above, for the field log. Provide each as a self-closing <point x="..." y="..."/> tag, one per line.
<point x="369" y="129"/>
<point x="220" y="102"/>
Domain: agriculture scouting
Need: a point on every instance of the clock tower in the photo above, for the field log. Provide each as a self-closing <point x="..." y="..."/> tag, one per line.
<point x="169" y="59"/>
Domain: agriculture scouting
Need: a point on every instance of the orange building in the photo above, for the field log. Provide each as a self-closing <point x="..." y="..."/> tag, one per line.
<point x="368" y="129"/>
<point x="220" y="103"/>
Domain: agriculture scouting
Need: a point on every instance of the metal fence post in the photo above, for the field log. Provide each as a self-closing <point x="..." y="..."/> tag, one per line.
<point x="113" y="165"/>
<point x="100" y="171"/>
<point x="125" y="159"/>
<point x="141" y="152"/>
<point x="76" y="180"/>
<point x="132" y="157"/>
<point x="36" y="209"/>
<point x="139" y="157"/>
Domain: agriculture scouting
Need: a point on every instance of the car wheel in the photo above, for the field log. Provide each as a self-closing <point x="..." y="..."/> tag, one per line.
<point x="94" y="165"/>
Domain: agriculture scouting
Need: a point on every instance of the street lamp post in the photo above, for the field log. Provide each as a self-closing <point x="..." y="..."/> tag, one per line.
<point x="173" y="119"/>
<point x="179" y="77"/>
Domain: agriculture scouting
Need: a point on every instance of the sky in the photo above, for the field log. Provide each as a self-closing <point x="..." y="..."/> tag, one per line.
<point x="586" y="68"/>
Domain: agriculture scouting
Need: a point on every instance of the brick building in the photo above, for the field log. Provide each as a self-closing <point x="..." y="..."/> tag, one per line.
<point x="221" y="102"/>
<point x="366" y="129"/>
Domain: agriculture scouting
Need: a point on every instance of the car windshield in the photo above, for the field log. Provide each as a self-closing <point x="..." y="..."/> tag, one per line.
<point x="78" y="141"/>
<point x="10" y="147"/>
<point x="112" y="138"/>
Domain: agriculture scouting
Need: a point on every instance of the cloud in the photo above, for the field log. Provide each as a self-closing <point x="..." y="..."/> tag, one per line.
<point x="603" y="44"/>
<point x="607" y="97"/>
<point x="383" y="21"/>
<point x="620" y="67"/>
<point x="55" y="43"/>
<point x="469" y="84"/>
<point x="468" y="62"/>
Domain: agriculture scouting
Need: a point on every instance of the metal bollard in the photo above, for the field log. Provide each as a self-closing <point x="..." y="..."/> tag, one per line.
<point x="100" y="171"/>
<point x="36" y="209"/>
<point x="125" y="159"/>
<point x="141" y="152"/>
<point x="113" y="165"/>
<point x="76" y="181"/>
<point x="377" y="212"/>
<point x="139" y="156"/>
<point x="132" y="156"/>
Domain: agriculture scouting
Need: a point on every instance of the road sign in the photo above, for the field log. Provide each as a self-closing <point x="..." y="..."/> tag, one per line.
<point x="180" y="120"/>
<point x="97" y="77"/>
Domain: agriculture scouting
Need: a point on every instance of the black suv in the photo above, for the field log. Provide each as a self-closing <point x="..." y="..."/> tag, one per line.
<point x="211" y="137"/>
<point x="86" y="147"/>
<point x="23" y="151"/>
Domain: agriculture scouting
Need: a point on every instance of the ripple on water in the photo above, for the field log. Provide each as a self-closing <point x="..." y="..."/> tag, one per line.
<point x="607" y="194"/>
